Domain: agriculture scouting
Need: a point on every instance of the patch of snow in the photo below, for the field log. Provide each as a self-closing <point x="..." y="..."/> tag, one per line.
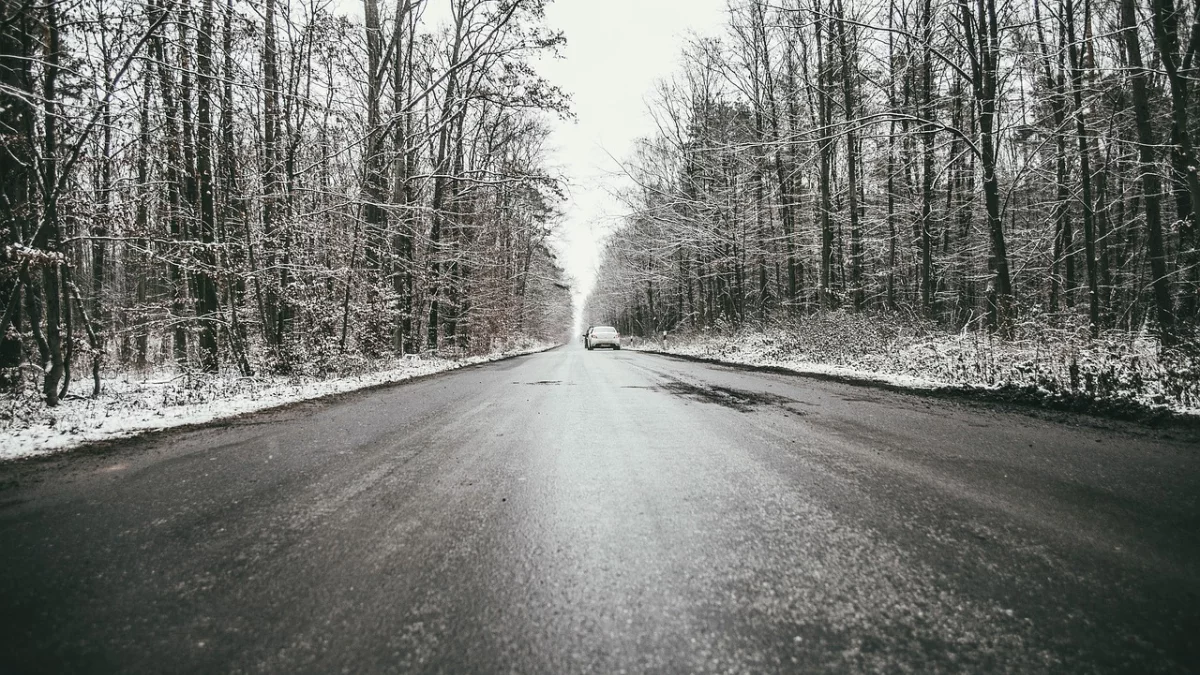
<point x="1116" y="367"/>
<point x="128" y="406"/>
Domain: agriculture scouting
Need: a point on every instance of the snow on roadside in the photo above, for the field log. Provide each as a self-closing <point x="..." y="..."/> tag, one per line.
<point x="1115" y="371"/>
<point x="128" y="406"/>
<point x="758" y="357"/>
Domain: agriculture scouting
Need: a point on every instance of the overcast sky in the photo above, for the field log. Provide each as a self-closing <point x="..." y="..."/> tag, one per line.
<point x="616" y="51"/>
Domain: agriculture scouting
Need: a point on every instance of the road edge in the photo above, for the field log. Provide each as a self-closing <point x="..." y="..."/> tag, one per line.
<point x="1023" y="400"/>
<point x="102" y="446"/>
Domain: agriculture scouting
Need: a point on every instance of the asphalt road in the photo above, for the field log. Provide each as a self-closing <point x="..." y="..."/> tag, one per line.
<point x="578" y="511"/>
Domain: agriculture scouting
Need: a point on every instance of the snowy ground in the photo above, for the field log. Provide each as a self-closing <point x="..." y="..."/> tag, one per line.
<point x="1114" y="371"/>
<point x="129" y="405"/>
<point x="750" y="357"/>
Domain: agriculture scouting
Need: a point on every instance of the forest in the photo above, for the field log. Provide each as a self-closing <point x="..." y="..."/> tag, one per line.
<point x="989" y="167"/>
<point x="269" y="186"/>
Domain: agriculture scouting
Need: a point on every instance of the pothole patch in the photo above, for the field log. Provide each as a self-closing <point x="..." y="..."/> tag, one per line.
<point x="737" y="399"/>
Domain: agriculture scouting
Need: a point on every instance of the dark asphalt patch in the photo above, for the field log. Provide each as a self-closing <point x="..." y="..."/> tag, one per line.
<point x="860" y="399"/>
<point x="737" y="399"/>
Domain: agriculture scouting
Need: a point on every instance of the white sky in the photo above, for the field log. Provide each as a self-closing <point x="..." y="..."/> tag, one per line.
<point x="616" y="51"/>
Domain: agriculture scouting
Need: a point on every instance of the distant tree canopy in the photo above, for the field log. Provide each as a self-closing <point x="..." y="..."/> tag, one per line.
<point x="973" y="162"/>
<point x="265" y="185"/>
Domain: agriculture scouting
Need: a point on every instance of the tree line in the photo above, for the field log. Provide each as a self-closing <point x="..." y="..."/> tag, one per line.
<point x="270" y="184"/>
<point x="971" y="162"/>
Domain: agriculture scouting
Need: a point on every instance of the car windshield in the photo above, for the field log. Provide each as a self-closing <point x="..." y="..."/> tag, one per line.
<point x="603" y="329"/>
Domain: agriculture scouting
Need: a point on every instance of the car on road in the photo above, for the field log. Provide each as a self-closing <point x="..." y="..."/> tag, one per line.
<point x="602" y="336"/>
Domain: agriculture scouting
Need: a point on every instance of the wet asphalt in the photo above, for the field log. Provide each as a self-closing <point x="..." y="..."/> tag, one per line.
<point x="605" y="512"/>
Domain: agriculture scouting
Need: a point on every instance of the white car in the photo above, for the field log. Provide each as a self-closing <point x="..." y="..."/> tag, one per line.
<point x="602" y="336"/>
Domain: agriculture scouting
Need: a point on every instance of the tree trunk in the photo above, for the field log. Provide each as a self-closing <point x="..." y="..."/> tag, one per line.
<point x="1185" y="172"/>
<point x="928" y="132"/>
<point x="983" y="42"/>
<point x="1149" y="173"/>
<point x="825" y="149"/>
<point x="441" y="168"/>
<point x="1085" y="172"/>
<point x="16" y="181"/>
<point x="49" y="234"/>
<point x="405" y="158"/>
<point x="857" y="295"/>
<point x="233" y="207"/>
<point x="274" y="317"/>
<point x="206" y="277"/>
<point x="172" y="179"/>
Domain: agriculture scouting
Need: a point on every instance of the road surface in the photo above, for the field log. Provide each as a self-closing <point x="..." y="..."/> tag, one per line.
<point x="576" y="511"/>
